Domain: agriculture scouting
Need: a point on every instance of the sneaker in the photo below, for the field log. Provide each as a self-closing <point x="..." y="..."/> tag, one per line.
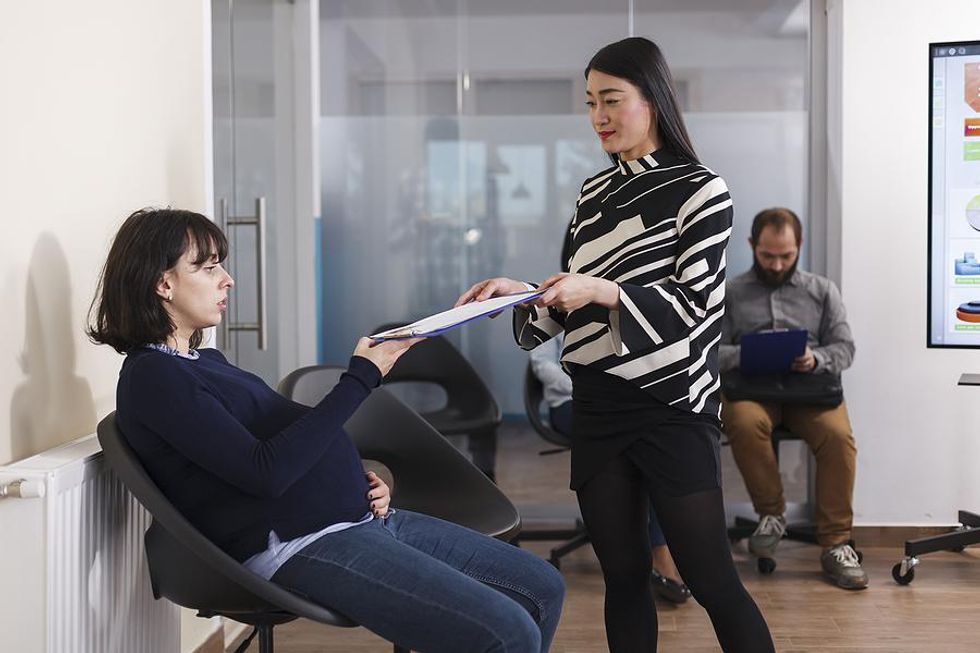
<point x="771" y="529"/>
<point x="669" y="589"/>
<point x="841" y="564"/>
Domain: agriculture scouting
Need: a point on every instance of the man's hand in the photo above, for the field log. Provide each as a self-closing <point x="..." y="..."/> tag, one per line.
<point x="379" y="495"/>
<point x="805" y="363"/>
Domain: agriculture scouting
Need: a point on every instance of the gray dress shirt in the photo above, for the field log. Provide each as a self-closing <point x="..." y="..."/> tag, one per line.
<point x="544" y="362"/>
<point x="807" y="301"/>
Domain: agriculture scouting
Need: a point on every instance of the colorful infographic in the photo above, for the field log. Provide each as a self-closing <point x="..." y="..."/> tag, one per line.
<point x="954" y="195"/>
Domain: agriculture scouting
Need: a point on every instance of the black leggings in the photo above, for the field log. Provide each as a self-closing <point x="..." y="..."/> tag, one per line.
<point x="614" y="506"/>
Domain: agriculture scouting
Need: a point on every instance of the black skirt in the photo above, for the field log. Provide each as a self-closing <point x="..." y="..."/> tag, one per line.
<point x="677" y="450"/>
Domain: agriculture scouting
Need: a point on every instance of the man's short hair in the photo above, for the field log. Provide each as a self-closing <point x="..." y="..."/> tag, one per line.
<point x="779" y="218"/>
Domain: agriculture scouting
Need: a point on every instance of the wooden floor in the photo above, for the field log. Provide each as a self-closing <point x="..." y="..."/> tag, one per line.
<point x="938" y="613"/>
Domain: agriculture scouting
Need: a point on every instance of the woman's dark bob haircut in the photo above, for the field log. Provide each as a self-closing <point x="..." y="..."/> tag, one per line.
<point x="640" y="62"/>
<point x="126" y="311"/>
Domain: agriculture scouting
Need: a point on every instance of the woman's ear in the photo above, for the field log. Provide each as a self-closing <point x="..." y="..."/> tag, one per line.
<point x="165" y="288"/>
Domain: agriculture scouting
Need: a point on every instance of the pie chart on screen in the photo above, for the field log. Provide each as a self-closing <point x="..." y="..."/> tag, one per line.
<point x="973" y="212"/>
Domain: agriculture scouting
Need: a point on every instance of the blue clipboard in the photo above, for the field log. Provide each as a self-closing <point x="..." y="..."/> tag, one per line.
<point x="771" y="352"/>
<point x="454" y="317"/>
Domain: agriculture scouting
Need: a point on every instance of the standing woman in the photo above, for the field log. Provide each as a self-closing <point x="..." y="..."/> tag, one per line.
<point x="641" y="310"/>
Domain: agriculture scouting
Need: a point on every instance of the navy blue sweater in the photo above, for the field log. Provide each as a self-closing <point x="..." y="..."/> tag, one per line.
<point x="235" y="457"/>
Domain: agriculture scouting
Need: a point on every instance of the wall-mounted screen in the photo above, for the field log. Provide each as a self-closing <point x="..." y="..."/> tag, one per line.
<point x="954" y="194"/>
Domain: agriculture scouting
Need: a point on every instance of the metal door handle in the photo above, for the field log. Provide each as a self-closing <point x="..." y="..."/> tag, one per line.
<point x="258" y="221"/>
<point x="223" y="224"/>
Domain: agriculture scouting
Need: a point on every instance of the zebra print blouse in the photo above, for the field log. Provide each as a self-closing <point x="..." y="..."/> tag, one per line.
<point x="657" y="226"/>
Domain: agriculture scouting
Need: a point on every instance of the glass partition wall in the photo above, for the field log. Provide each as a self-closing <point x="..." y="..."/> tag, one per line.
<point x="454" y="138"/>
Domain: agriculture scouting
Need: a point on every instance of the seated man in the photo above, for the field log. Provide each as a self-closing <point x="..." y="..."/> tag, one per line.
<point x="557" y="386"/>
<point x="774" y="294"/>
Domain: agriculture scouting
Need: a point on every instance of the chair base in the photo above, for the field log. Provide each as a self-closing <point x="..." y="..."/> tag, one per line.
<point x="575" y="538"/>
<point x="267" y="644"/>
<point x="263" y="626"/>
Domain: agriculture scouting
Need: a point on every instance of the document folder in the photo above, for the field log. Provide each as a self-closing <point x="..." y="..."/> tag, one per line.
<point x="771" y="352"/>
<point x="454" y="317"/>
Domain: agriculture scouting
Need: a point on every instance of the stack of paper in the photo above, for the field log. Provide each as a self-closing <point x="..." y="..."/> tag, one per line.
<point x="454" y="317"/>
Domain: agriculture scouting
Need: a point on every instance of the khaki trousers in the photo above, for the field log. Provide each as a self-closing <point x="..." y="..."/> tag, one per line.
<point x="827" y="431"/>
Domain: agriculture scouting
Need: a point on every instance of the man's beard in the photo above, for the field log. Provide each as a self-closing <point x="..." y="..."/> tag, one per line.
<point x="773" y="279"/>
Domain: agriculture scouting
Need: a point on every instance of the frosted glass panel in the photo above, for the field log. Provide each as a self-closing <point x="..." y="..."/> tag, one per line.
<point x="448" y="156"/>
<point x="763" y="158"/>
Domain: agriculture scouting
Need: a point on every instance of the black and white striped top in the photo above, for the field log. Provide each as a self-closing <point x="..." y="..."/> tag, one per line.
<point x="658" y="226"/>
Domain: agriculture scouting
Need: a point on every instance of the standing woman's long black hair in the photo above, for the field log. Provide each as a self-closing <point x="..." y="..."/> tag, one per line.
<point x="640" y="62"/>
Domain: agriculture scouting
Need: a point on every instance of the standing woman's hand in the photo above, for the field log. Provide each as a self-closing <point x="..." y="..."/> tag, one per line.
<point x="570" y="292"/>
<point x="385" y="353"/>
<point x="490" y="288"/>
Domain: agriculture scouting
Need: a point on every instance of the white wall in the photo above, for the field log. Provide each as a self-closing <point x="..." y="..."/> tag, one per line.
<point x="918" y="440"/>
<point x="104" y="111"/>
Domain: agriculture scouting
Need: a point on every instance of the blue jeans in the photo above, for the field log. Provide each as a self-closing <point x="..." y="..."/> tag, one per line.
<point x="430" y="586"/>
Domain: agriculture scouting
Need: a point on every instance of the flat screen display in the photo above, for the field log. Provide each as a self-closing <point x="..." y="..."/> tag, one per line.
<point x="954" y="194"/>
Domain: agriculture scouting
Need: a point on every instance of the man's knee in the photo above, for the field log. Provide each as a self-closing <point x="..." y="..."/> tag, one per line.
<point x="743" y="419"/>
<point x="835" y="439"/>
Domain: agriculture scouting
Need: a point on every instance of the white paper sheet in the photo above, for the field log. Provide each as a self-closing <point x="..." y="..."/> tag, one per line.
<point x="454" y="317"/>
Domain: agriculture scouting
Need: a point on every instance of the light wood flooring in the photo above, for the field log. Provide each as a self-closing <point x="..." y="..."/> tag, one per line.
<point x="938" y="613"/>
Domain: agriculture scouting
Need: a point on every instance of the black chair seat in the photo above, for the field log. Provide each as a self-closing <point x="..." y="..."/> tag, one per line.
<point x="534" y="404"/>
<point x="469" y="402"/>
<point x="572" y="538"/>
<point x="431" y="476"/>
<point x="451" y="421"/>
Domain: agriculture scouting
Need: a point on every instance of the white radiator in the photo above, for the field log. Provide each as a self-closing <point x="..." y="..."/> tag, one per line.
<point x="73" y="575"/>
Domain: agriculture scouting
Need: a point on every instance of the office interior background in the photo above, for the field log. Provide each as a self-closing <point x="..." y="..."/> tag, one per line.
<point x="405" y="149"/>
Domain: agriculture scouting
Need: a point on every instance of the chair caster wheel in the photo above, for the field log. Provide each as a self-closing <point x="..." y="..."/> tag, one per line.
<point x="766" y="565"/>
<point x="900" y="578"/>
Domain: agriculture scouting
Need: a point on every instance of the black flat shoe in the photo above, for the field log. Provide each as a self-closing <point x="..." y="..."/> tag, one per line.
<point x="669" y="589"/>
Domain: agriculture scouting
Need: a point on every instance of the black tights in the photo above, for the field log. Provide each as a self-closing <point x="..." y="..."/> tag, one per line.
<point x="614" y="507"/>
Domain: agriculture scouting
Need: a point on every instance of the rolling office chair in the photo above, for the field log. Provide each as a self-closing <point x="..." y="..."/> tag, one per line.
<point x="188" y="569"/>
<point x="470" y="407"/>
<point x="577" y="536"/>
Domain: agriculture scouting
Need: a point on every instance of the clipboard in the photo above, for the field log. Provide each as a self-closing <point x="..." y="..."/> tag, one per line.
<point x="454" y="317"/>
<point x="771" y="352"/>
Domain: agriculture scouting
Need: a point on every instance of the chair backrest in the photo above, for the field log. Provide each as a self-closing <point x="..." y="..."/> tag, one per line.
<point x="436" y="360"/>
<point x="533" y="400"/>
<point x="186" y="567"/>
<point x="431" y="476"/>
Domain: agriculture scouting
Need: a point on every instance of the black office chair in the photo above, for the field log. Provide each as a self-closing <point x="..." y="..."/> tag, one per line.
<point x="189" y="570"/>
<point x="470" y="407"/>
<point x="795" y="531"/>
<point x="533" y="405"/>
<point x="431" y="476"/>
